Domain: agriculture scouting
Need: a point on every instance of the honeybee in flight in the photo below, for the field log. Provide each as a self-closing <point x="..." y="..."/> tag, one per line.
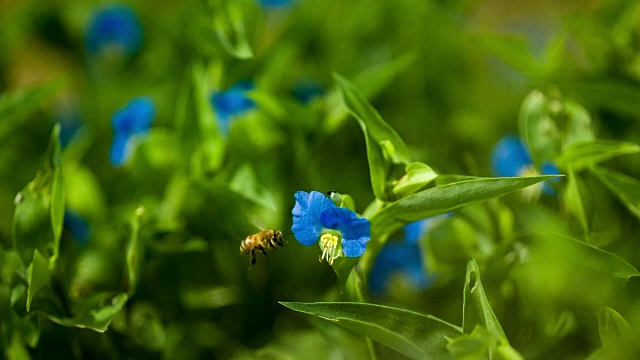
<point x="261" y="241"/>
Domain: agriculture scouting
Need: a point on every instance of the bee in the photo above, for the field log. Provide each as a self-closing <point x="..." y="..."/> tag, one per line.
<point x="261" y="241"/>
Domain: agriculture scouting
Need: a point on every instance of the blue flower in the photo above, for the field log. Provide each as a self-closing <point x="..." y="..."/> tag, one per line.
<point x="276" y="3"/>
<point x="306" y="90"/>
<point x="133" y="120"/>
<point x="232" y="102"/>
<point x="78" y="227"/>
<point x="510" y="157"/>
<point x="339" y="230"/>
<point x="114" y="28"/>
<point x="403" y="258"/>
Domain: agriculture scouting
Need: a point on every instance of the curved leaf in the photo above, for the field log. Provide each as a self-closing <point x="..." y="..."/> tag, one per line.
<point x="585" y="154"/>
<point x="409" y="333"/>
<point x="626" y="188"/>
<point x="385" y="148"/>
<point x="476" y="308"/>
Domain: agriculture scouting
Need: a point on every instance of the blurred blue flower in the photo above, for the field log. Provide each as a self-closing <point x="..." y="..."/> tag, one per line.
<point x="232" y="102"/>
<point x="114" y="28"/>
<point x="510" y="157"/>
<point x="132" y="120"/>
<point x="404" y="258"/>
<point x="78" y="227"/>
<point x="275" y="3"/>
<point x="339" y="230"/>
<point x="306" y="90"/>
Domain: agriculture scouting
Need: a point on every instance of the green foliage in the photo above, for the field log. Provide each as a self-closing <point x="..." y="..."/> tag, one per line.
<point x="411" y="334"/>
<point x="142" y="260"/>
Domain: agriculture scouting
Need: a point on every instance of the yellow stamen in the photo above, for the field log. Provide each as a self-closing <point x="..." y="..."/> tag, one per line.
<point x="329" y="245"/>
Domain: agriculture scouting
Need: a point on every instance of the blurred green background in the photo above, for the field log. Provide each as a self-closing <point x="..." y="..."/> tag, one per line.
<point x="448" y="76"/>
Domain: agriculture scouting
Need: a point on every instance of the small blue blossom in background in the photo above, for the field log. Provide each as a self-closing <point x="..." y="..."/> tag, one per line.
<point x="275" y="3"/>
<point x="133" y="120"/>
<point x="306" y="91"/>
<point x="339" y="230"/>
<point x="510" y="157"/>
<point x="114" y="28"/>
<point x="77" y="226"/>
<point x="232" y="102"/>
<point x="404" y="258"/>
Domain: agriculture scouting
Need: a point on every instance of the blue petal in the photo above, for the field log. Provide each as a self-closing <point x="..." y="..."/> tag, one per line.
<point x="356" y="232"/>
<point x="509" y="157"/>
<point x="398" y="258"/>
<point x="120" y="150"/>
<point x="275" y="3"/>
<point x="114" y="26"/>
<point x="135" y="118"/>
<point x="307" y="226"/>
<point x="416" y="230"/>
<point x="549" y="168"/>
<point x="234" y="100"/>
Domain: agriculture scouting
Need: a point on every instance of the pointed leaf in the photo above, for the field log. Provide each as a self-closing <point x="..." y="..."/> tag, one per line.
<point x="574" y="200"/>
<point x="228" y="24"/>
<point x="626" y="188"/>
<point x="445" y="198"/>
<point x="538" y="129"/>
<point x="585" y="154"/>
<point x="38" y="276"/>
<point x="135" y="250"/>
<point x="95" y="313"/>
<point x="476" y="307"/>
<point x="584" y="254"/>
<point x="613" y="328"/>
<point x="409" y="333"/>
<point x="385" y="148"/>
<point x="39" y="213"/>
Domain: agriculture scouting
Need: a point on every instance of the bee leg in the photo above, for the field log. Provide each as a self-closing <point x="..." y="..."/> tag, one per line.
<point x="253" y="257"/>
<point x="264" y="252"/>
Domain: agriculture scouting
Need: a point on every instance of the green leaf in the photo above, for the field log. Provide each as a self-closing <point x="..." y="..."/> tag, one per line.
<point x="39" y="213"/>
<point x="409" y="333"/>
<point x="613" y="328"/>
<point x="626" y="188"/>
<point x="583" y="254"/>
<point x="476" y="307"/>
<point x="538" y="129"/>
<point x="18" y="105"/>
<point x="445" y="198"/>
<point x="385" y="148"/>
<point x="245" y="184"/>
<point x="370" y="82"/>
<point x="574" y="200"/>
<point x="135" y="251"/>
<point x="418" y="175"/>
<point x="585" y="154"/>
<point x="38" y="276"/>
<point x="576" y="123"/>
<point x="228" y="24"/>
<point x="474" y="346"/>
<point x="95" y="312"/>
